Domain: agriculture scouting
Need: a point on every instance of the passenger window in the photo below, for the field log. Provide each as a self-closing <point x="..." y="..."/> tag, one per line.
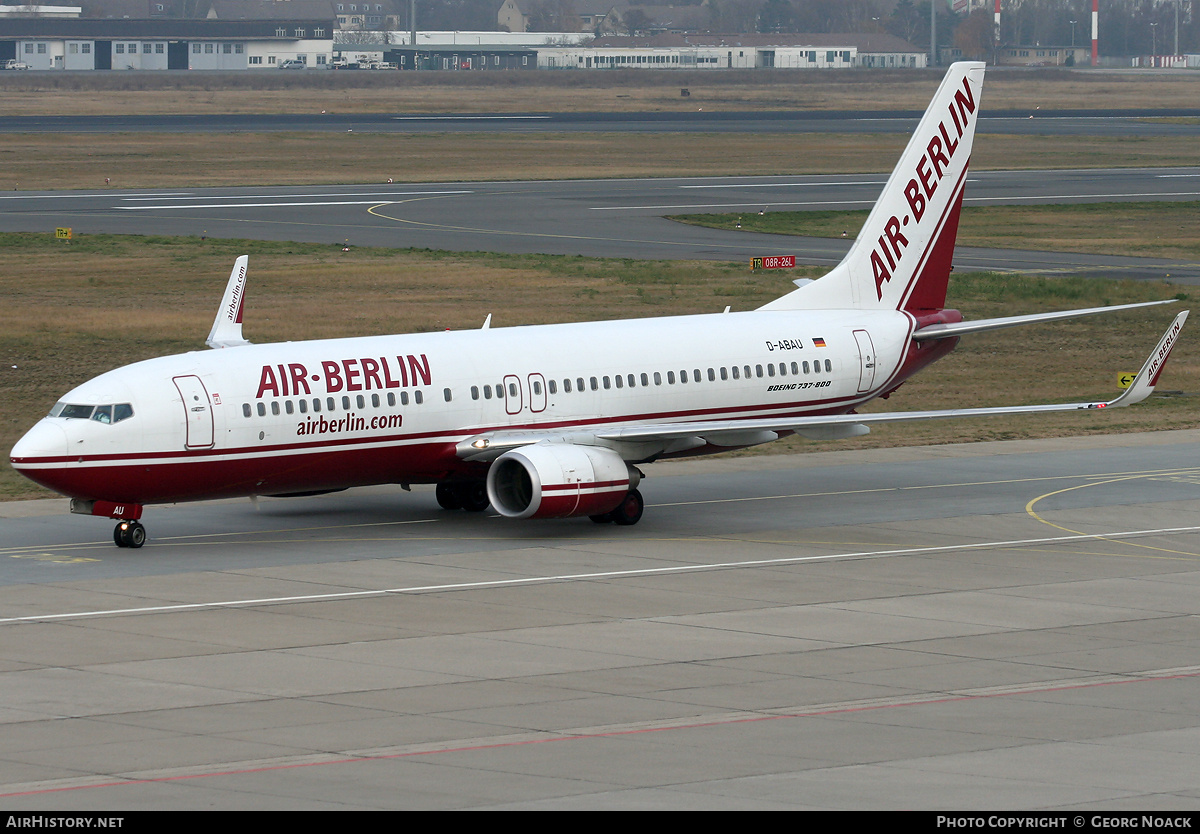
<point x="403" y="398"/>
<point x="262" y="410"/>
<point x="724" y="374"/>
<point x="245" y="409"/>
<point x="487" y="392"/>
<point x="795" y="369"/>
<point x="316" y="405"/>
<point x="620" y="382"/>
<point x="595" y="384"/>
<point x="537" y="387"/>
<point x="828" y="366"/>
<point x="360" y="401"/>
<point x="375" y="400"/>
<point x="553" y="386"/>
<point x="330" y="405"/>
<point x="696" y="374"/>
<point x="346" y="404"/>
<point x="758" y="371"/>
<point x="670" y="377"/>
<point x="736" y="373"/>
<point x="806" y="367"/>
<point x="631" y="381"/>
<point x="579" y="384"/>
<point x="783" y="369"/>
<point x="418" y="397"/>
<point x="770" y="370"/>
<point x="303" y="407"/>
<point x="288" y="407"/>
<point x="446" y="394"/>
<point x="657" y="378"/>
<point x="391" y="398"/>
<point x="683" y="377"/>
<point x="566" y="386"/>
<point x="645" y="381"/>
<point x="512" y="390"/>
<point x="275" y="407"/>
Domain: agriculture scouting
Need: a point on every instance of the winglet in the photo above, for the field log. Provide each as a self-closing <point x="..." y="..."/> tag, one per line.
<point x="1143" y="384"/>
<point x="227" y="328"/>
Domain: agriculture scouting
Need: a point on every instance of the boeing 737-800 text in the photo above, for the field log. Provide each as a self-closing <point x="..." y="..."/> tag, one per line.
<point x="548" y="421"/>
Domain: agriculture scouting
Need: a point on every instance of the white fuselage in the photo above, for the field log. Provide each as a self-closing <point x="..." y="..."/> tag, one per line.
<point x="307" y="416"/>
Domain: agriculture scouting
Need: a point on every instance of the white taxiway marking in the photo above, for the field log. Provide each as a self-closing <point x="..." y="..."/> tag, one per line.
<point x="67" y="195"/>
<point x="464" y="118"/>
<point x="294" y="196"/>
<point x="788" y="184"/>
<point x="872" y="202"/>
<point x="588" y="577"/>
<point x="257" y="205"/>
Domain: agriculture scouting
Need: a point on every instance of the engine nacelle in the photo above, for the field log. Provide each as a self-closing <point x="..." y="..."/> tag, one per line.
<point x="559" y="480"/>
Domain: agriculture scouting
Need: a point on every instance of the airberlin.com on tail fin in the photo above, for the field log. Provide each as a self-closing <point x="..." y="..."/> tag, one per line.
<point x="902" y="257"/>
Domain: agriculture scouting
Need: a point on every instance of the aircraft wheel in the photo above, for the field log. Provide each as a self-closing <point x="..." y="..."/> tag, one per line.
<point x="474" y="496"/>
<point x="448" y="497"/>
<point x="129" y="534"/>
<point x="629" y="511"/>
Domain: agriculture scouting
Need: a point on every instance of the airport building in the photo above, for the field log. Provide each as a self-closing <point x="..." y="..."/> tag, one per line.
<point x="102" y="44"/>
<point x="172" y="43"/>
<point x="749" y="51"/>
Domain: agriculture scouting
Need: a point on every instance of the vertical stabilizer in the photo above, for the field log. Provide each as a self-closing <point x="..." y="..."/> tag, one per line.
<point x="903" y="255"/>
<point x="227" y="327"/>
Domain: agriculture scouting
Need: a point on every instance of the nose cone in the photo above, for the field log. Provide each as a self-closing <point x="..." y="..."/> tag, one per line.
<point x="41" y="453"/>
<point x="45" y="440"/>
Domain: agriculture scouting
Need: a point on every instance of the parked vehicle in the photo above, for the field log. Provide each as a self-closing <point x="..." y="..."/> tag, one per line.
<point x="293" y="65"/>
<point x="14" y="64"/>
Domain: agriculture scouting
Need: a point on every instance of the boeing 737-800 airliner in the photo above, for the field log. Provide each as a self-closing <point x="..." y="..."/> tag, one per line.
<point x="548" y="421"/>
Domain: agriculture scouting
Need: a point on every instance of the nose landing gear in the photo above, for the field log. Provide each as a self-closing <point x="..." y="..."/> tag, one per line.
<point x="128" y="532"/>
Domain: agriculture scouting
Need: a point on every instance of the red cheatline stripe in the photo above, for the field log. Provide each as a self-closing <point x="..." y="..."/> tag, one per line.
<point x="814" y="407"/>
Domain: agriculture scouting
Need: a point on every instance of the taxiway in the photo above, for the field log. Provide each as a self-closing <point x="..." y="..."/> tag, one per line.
<point x="596" y="218"/>
<point x="1002" y="625"/>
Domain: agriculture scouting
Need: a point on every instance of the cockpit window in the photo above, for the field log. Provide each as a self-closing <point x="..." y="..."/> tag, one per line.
<point x="106" y="414"/>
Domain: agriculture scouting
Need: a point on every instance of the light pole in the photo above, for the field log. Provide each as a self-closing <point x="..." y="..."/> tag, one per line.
<point x="1153" y="41"/>
<point x="1073" y="22"/>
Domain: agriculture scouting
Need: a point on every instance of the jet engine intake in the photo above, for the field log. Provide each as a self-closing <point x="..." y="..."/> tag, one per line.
<point x="559" y="480"/>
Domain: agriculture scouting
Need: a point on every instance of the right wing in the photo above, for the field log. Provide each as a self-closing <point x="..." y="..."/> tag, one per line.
<point x="672" y="437"/>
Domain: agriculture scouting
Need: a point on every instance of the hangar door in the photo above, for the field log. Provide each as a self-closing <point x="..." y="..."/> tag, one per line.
<point x="177" y="55"/>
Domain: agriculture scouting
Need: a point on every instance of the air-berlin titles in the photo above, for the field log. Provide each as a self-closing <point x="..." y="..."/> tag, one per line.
<point x="930" y="168"/>
<point x="364" y="374"/>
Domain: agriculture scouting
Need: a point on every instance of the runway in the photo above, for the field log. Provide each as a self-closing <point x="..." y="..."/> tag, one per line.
<point x="990" y="626"/>
<point x="595" y="218"/>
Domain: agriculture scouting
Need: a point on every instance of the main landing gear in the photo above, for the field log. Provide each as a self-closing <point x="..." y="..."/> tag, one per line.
<point x="626" y="514"/>
<point x="462" y="495"/>
<point x="129" y="534"/>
